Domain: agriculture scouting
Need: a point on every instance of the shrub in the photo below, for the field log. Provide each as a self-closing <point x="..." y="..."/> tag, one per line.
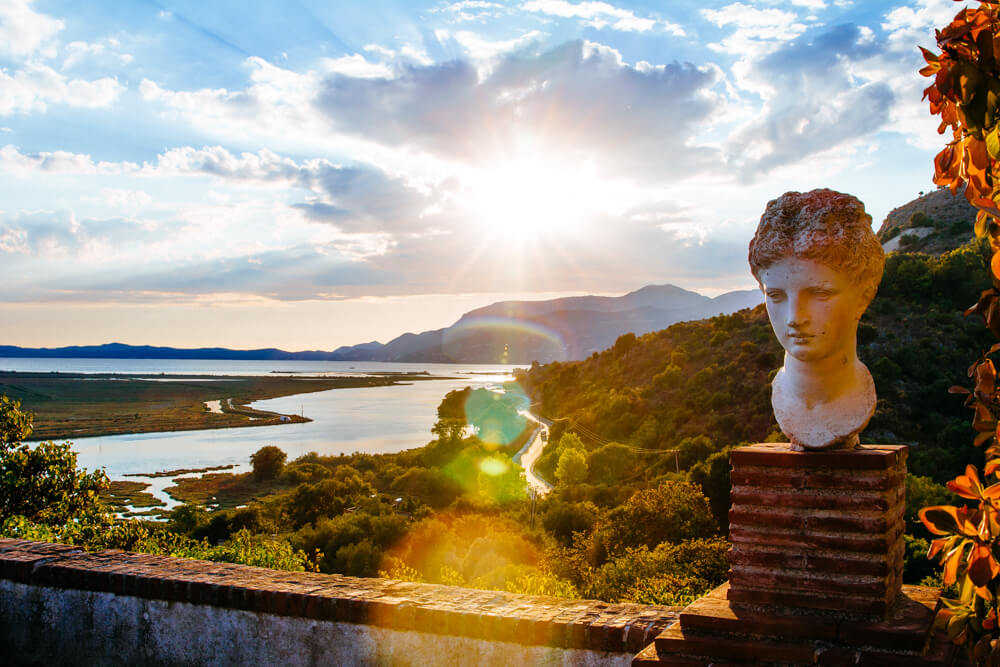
<point x="268" y="462"/>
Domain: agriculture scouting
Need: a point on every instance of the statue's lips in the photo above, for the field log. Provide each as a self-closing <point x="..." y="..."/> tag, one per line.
<point x="800" y="338"/>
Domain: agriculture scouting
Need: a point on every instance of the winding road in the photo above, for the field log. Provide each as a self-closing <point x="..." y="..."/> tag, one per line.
<point x="528" y="454"/>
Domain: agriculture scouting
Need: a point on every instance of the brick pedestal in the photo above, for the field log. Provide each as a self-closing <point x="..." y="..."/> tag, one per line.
<point x="815" y="568"/>
<point x="818" y="530"/>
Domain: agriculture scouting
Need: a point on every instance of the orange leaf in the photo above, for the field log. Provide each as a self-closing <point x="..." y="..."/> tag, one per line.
<point x="967" y="485"/>
<point x="983" y="567"/>
<point x="937" y="545"/>
<point x="979" y="157"/>
<point x="947" y="520"/>
<point x="951" y="563"/>
<point x="986" y="204"/>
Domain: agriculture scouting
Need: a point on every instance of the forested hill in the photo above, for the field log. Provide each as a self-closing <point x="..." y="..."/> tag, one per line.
<point x="712" y="377"/>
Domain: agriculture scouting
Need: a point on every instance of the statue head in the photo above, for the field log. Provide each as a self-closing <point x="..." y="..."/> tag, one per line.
<point x="819" y="265"/>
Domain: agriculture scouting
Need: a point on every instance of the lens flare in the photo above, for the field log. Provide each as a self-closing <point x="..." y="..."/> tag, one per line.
<point x="494" y="467"/>
<point x="506" y="339"/>
<point x="496" y="415"/>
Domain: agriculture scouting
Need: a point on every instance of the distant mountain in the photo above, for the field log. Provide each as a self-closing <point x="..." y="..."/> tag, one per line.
<point x="516" y="332"/>
<point x="123" y="351"/>
<point x="554" y="330"/>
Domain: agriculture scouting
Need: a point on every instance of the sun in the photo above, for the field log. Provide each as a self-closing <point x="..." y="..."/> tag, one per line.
<point x="531" y="197"/>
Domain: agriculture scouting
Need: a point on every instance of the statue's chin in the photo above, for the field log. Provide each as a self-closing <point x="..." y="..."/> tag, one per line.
<point x="815" y="422"/>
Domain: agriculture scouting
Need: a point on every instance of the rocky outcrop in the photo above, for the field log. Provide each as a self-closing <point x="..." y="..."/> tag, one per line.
<point x="933" y="223"/>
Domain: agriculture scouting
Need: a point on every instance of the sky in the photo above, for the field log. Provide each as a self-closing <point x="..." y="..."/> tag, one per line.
<point x="306" y="175"/>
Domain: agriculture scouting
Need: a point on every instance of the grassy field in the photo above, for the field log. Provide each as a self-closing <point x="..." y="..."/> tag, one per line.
<point x="71" y="405"/>
<point x="122" y="494"/>
<point x="223" y="489"/>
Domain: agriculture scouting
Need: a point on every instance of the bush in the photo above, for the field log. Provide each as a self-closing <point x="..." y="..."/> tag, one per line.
<point x="572" y="467"/>
<point x="268" y="462"/>
<point x="42" y="483"/>
<point x="672" y="512"/>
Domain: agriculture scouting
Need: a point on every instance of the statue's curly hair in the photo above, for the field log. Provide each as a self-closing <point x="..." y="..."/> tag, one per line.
<point x="828" y="227"/>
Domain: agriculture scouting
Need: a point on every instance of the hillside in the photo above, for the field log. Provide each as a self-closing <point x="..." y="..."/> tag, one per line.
<point x="932" y="223"/>
<point x="711" y="378"/>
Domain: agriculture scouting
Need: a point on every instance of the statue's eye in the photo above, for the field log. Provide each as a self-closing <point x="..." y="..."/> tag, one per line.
<point x="776" y="295"/>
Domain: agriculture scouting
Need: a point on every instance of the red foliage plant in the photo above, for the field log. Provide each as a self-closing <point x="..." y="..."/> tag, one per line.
<point x="965" y="93"/>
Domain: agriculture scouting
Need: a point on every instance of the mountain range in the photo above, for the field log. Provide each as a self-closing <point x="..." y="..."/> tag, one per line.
<point x="515" y="332"/>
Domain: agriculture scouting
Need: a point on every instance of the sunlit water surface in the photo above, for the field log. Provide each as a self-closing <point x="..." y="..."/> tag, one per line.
<point x="365" y="419"/>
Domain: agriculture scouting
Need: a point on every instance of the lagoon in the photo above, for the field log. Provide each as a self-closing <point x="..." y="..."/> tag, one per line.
<point x="366" y="419"/>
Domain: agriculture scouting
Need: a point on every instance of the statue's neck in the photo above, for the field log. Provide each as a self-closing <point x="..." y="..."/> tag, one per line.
<point x="824" y="380"/>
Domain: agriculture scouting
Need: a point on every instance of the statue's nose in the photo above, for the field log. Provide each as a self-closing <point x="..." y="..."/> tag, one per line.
<point x="798" y="313"/>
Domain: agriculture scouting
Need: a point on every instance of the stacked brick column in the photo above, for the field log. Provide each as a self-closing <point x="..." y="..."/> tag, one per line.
<point x="818" y="530"/>
<point x="815" y="569"/>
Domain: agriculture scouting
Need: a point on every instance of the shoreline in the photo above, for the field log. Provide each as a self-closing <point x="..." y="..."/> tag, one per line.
<point x="84" y="405"/>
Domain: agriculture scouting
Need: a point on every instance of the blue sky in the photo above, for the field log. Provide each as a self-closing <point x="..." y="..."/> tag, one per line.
<point x="312" y="174"/>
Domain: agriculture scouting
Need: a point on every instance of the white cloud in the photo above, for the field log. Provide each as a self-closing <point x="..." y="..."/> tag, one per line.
<point x="906" y="28"/>
<point x="810" y="4"/>
<point x="128" y="201"/>
<point x="356" y="66"/>
<point x="24" y="32"/>
<point x="577" y="99"/>
<point x="471" y="10"/>
<point x="478" y="48"/>
<point x="16" y="163"/>
<point x="36" y="86"/>
<point x="754" y="23"/>
<point x="599" y="15"/>
<point x="105" y="50"/>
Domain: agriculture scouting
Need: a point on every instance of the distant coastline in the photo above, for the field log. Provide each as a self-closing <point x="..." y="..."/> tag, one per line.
<point x="123" y="351"/>
<point x="74" y="405"/>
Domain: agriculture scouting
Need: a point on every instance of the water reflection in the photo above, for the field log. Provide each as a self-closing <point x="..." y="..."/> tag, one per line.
<point x="364" y="419"/>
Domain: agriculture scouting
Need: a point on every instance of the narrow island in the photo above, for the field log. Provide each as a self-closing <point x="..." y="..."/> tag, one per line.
<point x="76" y="405"/>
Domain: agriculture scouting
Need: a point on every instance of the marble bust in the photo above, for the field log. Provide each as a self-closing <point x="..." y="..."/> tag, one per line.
<point x="819" y="265"/>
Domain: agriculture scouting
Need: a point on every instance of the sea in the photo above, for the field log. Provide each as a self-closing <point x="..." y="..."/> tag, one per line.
<point x="366" y="419"/>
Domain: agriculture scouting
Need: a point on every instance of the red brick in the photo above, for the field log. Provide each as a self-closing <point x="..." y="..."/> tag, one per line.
<point x="861" y="481"/>
<point x="802" y="581"/>
<point x="676" y="640"/>
<point x="862" y="606"/>
<point x="854" y="524"/>
<point x="744" y="516"/>
<point x="868" y="457"/>
<point x="805" y="500"/>
<point x="19" y="565"/>
<point x="853" y="542"/>
<point x="768" y="478"/>
<point x="714" y="614"/>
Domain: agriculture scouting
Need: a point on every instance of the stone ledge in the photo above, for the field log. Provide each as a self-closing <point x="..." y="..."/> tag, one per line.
<point x="779" y="455"/>
<point x="431" y="608"/>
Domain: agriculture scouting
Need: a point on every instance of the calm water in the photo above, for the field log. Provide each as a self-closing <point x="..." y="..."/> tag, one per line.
<point x="366" y="419"/>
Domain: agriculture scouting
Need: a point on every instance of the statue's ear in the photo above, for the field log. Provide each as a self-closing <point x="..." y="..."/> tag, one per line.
<point x="866" y="298"/>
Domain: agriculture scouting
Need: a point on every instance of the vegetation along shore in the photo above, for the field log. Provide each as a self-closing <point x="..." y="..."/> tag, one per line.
<point x="75" y="405"/>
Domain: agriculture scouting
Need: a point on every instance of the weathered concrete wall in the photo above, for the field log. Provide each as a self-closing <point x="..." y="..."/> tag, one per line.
<point x="60" y="605"/>
<point x="55" y="626"/>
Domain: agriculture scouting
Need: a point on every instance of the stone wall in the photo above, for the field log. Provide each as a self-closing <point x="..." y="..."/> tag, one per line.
<point x="62" y="605"/>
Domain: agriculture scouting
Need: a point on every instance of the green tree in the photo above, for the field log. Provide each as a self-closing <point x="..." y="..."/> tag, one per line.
<point x="268" y="462"/>
<point x="572" y="467"/>
<point x="42" y="483"/>
<point x="671" y="512"/>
